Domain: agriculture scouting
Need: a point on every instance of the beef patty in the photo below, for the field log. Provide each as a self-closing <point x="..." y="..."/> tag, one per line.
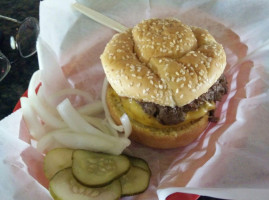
<point x="173" y="115"/>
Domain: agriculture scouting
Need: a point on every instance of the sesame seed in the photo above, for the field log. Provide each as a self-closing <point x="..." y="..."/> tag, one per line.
<point x="201" y="72"/>
<point x="181" y="96"/>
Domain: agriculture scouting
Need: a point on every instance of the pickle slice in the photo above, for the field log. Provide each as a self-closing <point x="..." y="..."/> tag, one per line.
<point x="98" y="169"/>
<point x="63" y="186"/>
<point x="135" y="181"/>
<point x="139" y="162"/>
<point x="56" y="160"/>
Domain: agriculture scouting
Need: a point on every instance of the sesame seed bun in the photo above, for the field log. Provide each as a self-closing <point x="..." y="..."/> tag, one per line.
<point x="164" y="138"/>
<point x="163" y="61"/>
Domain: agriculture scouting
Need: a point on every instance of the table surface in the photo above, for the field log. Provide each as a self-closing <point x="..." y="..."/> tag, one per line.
<point x="16" y="82"/>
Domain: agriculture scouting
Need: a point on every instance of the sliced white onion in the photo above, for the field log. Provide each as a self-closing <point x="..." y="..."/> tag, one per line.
<point x="108" y="116"/>
<point x="92" y="142"/>
<point x="76" y="122"/>
<point x="112" y="131"/>
<point x="34" y="126"/>
<point x="73" y="128"/>
<point x="91" y="108"/>
<point x="102" y="125"/>
<point x="34" y="81"/>
<point x="127" y="126"/>
<point x="69" y="139"/>
<point x="48" y="142"/>
<point x="70" y="91"/>
<point x="47" y="105"/>
<point x="44" y="113"/>
<point x="97" y="123"/>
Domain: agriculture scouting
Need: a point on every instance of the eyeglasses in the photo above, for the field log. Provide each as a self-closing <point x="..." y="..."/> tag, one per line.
<point x="24" y="41"/>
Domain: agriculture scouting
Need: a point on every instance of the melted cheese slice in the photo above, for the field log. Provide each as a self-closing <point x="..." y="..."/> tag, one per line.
<point x="135" y="111"/>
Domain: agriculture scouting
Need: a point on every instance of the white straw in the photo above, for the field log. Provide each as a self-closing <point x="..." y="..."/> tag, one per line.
<point x="98" y="17"/>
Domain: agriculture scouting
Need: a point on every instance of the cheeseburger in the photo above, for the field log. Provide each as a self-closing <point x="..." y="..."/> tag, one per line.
<point x="167" y="77"/>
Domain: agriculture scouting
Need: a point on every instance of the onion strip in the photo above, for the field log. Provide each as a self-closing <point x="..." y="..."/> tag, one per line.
<point x="102" y="125"/>
<point x="70" y="139"/>
<point x="33" y="124"/>
<point x="97" y="123"/>
<point x="44" y="113"/>
<point x="35" y="80"/>
<point x="76" y="122"/>
<point x="127" y="126"/>
<point x="91" y="108"/>
<point x="91" y="142"/>
<point x="48" y="142"/>
<point x="108" y="116"/>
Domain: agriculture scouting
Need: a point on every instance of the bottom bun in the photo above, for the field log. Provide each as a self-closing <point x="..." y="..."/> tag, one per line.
<point x="162" y="138"/>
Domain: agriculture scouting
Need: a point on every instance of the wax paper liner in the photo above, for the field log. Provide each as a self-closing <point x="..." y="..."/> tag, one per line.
<point x="229" y="160"/>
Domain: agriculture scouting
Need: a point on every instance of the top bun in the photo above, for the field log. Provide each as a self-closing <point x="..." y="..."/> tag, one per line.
<point x="163" y="61"/>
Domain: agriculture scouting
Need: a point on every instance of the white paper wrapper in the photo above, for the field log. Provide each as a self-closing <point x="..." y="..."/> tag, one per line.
<point x="229" y="160"/>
